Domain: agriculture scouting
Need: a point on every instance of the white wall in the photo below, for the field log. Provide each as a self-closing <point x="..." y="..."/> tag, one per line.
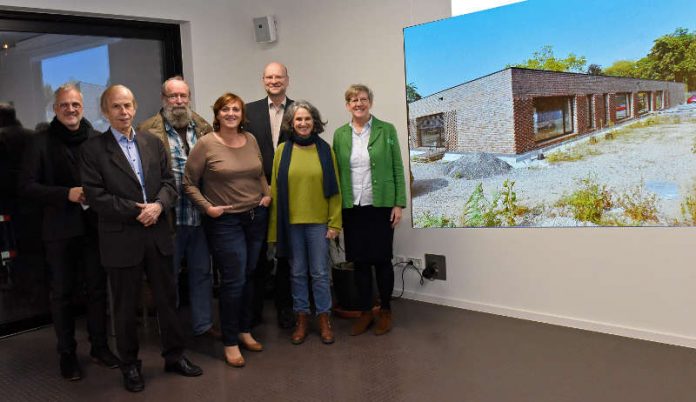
<point x="637" y="282"/>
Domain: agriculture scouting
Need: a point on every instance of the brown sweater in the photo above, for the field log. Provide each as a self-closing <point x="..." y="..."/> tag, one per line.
<point x="218" y="175"/>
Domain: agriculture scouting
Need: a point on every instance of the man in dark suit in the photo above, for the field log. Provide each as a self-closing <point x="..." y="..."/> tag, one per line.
<point x="50" y="176"/>
<point x="128" y="182"/>
<point x="264" y="119"/>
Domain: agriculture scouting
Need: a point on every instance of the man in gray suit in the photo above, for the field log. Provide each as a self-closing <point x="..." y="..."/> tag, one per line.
<point x="127" y="180"/>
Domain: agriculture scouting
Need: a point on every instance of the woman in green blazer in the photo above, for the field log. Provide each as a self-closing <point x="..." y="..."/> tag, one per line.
<point x="371" y="173"/>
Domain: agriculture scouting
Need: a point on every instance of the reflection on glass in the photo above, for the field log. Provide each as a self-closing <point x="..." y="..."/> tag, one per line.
<point x="658" y="100"/>
<point x="552" y="117"/>
<point x="431" y="130"/>
<point x="643" y="102"/>
<point x="623" y="106"/>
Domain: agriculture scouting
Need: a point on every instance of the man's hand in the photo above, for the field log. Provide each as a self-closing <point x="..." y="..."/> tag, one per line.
<point x="76" y="195"/>
<point x="149" y="213"/>
<point x="265" y="201"/>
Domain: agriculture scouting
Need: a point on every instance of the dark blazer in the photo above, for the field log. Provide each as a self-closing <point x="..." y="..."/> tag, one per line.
<point x="112" y="189"/>
<point x="48" y="172"/>
<point x="259" y="124"/>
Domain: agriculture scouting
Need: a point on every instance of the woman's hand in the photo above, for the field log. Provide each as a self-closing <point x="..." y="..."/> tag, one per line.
<point x="331" y="234"/>
<point x="265" y="201"/>
<point x="215" y="212"/>
<point x="395" y="216"/>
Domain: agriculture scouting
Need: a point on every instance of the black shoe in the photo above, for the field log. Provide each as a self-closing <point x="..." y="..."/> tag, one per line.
<point x="104" y="357"/>
<point x="69" y="367"/>
<point x="184" y="367"/>
<point x="286" y="318"/>
<point x="133" y="379"/>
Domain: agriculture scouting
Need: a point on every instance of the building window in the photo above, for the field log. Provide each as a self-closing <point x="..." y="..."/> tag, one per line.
<point x="553" y="116"/>
<point x="658" y="100"/>
<point x="605" y="101"/>
<point x="643" y="102"/>
<point x="623" y="106"/>
<point x="590" y="111"/>
<point x="431" y="130"/>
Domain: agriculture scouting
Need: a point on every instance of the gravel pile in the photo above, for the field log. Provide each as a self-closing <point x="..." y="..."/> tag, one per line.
<point x="476" y="166"/>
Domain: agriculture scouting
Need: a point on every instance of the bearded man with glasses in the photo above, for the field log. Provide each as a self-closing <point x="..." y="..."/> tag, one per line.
<point x="179" y="127"/>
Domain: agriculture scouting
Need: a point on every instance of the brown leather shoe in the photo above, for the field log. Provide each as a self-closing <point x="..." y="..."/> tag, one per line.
<point x="301" y="326"/>
<point x="252" y="347"/>
<point x="362" y="323"/>
<point x="234" y="361"/>
<point x="325" y="330"/>
<point x="384" y="322"/>
<point x="213" y="333"/>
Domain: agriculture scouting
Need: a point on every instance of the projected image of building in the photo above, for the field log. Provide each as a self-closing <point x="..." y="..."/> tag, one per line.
<point x="517" y="110"/>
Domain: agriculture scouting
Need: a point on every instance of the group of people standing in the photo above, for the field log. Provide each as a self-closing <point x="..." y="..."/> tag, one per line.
<point x="176" y="188"/>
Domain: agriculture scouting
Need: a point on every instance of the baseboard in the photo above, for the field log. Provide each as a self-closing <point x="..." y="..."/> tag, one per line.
<point x="588" y="325"/>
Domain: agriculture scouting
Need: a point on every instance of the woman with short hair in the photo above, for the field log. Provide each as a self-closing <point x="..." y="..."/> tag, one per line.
<point x="372" y="183"/>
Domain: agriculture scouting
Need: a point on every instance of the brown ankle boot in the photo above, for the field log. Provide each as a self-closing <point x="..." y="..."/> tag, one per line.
<point x="300" y="333"/>
<point x="384" y="322"/>
<point x="325" y="330"/>
<point x="363" y="322"/>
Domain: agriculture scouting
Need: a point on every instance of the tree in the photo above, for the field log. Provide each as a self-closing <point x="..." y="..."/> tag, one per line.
<point x="544" y="59"/>
<point x="673" y="57"/>
<point x="412" y="93"/>
<point x="622" y="68"/>
<point x="594" y="69"/>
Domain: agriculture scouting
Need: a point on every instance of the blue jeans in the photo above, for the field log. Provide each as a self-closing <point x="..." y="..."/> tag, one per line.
<point x="310" y="253"/>
<point x="191" y="243"/>
<point x="235" y="242"/>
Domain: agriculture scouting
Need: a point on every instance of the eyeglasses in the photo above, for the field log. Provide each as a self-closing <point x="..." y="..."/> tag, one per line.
<point x="174" y="97"/>
<point x="67" y="105"/>
<point x="356" y="101"/>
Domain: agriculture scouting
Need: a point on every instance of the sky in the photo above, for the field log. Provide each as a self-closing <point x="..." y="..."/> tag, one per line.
<point x="449" y="52"/>
<point x="91" y="65"/>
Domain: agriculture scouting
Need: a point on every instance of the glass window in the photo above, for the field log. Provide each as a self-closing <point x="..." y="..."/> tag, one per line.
<point x="431" y="130"/>
<point x="643" y="102"/>
<point x="41" y="52"/>
<point x="590" y="111"/>
<point x="658" y="100"/>
<point x="623" y="106"/>
<point x="553" y="116"/>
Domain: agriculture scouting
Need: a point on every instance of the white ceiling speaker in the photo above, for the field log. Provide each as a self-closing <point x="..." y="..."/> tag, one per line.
<point x="265" y="29"/>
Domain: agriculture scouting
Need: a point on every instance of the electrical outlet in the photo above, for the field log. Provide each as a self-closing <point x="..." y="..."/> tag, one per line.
<point x="438" y="263"/>
<point x="417" y="262"/>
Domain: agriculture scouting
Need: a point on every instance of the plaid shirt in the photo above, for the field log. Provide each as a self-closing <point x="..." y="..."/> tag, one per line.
<point x="186" y="212"/>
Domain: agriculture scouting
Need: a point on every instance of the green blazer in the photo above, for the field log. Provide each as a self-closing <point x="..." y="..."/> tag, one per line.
<point x="387" y="168"/>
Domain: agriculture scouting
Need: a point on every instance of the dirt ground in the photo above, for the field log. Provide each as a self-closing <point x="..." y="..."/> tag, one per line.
<point x="659" y="156"/>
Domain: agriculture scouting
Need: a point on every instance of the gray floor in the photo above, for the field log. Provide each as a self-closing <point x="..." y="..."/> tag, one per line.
<point x="434" y="353"/>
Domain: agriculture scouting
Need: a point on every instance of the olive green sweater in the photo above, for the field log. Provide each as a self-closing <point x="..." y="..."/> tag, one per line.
<point x="306" y="201"/>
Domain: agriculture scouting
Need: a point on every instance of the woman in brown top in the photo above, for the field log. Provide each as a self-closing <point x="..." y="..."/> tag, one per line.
<point x="224" y="178"/>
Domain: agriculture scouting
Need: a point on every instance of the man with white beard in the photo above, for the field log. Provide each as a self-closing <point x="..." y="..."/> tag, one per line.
<point x="179" y="128"/>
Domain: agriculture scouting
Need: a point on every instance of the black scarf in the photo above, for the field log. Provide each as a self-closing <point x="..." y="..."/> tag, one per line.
<point x="65" y="157"/>
<point x="329" y="180"/>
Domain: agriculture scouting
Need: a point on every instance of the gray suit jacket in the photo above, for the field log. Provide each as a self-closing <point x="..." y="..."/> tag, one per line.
<point x="112" y="189"/>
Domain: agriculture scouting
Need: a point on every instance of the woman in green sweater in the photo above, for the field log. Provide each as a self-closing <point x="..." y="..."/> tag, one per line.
<point x="306" y="213"/>
<point x="372" y="184"/>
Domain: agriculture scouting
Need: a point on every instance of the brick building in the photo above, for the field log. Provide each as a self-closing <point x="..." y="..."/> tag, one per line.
<point x="517" y="110"/>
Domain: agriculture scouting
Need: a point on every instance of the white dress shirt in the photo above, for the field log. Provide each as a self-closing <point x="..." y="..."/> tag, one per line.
<point x="360" y="173"/>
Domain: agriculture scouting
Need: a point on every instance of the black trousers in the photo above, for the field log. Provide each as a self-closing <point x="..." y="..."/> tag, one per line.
<point x="126" y="286"/>
<point x="282" y="294"/>
<point x="74" y="263"/>
<point x="384" y="274"/>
